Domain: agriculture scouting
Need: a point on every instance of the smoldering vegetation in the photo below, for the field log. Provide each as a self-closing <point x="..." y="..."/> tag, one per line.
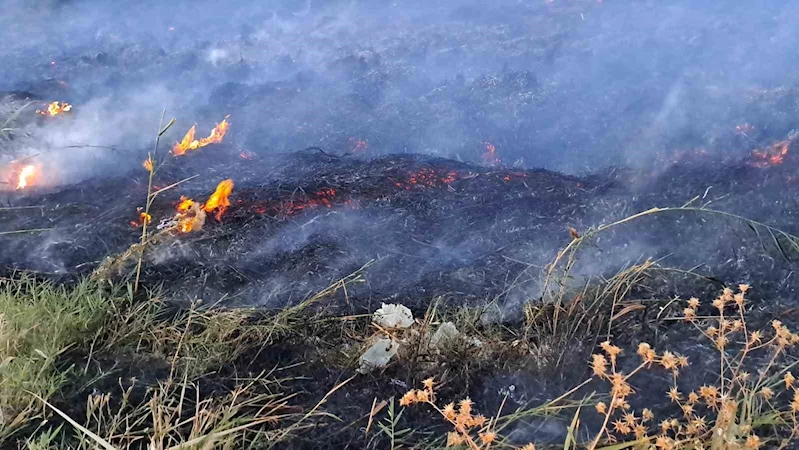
<point x="451" y="148"/>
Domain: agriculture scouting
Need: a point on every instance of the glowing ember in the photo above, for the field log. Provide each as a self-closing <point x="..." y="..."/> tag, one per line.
<point x="426" y="178"/>
<point x="55" y="108"/>
<point x="358" y="145"/>
<point x="490" y="156"/>
<point x="189" y="143"/>
<point x="26" y="176"/>
<point x="219" y="199"/>
<point x="771" y="156"/>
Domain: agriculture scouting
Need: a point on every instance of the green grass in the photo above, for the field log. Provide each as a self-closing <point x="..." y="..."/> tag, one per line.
<point x="39" y="323"/>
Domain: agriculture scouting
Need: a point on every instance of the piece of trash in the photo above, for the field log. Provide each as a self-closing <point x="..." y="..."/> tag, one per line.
<point x="378" y="355"/>
<point x="444" y="336"/>
<point x="393" y="316"/>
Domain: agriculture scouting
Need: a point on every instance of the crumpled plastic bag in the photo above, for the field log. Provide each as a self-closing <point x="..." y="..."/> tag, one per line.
<point x="378" y="355"/>
<point x="393" y="316"/>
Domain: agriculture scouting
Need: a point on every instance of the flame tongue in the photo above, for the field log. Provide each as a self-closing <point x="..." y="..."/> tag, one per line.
<point x="773" y="155"/>
<point x="25" y="176"/>
<point x="217" y="134"/>
<point x="55" y="108"/>
<point x="190" y="143"/>
<point x="219" y="200"/>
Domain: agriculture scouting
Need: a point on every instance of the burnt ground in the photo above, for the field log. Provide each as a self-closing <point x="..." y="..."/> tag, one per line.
<point x="400" y="116"/>
<point x="436" y="230"/>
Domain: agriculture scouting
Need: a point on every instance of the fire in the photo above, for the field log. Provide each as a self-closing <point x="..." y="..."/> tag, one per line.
<point x="185" y="204"/>
<point x="425" y="177"/>
<point x="190" y="143"/>
<point x="490" y="155"/>
<point x="771" y="156"/>
<point x="144" y="218"/>
<point x="358" y="145"/>
<point x="219" y="200"/>
<point x="26" y="176"/>
<point x="55" y="108"/>
<point x="190" y="216"/>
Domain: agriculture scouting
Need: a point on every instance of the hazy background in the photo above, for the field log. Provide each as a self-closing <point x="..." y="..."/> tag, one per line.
<point x="572" y="86"/>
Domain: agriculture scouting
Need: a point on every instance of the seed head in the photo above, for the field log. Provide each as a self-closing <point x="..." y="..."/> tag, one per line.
<point x="488" y="437"/>
<point x="767" y="393"/>
<point x="449" y="411"/>
<point x="664" y="443"/>
<point x="647" y="415"/>
<point x="674" y="394"/>
<point x="621" y="427"/>
<point x="645" y="352"/>
<point x="709" y="394"/>
<point x="611" y="350"/>
<point x="465" y="406"/>
<point x="422" y="396"/>
<point x="408" y="399"/>
<point x="599" y="365"/>
<point x="743" y="288"/>
<point x="789" y="380"/>
<point x="693" y="303"/>
<point x="601" y="408"/>
<point x="699" y="423"/>
<point x="669" y="360"/>
<point x="455" y="439"/>
<point x="726" y="294"/>
<point x="752" y="442"/>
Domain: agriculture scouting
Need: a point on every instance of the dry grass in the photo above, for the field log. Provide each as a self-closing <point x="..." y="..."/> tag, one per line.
<point x="45" y="330"/>
<point x="751" y="401"/>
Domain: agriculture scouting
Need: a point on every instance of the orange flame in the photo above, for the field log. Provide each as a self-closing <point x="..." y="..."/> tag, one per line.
<point x="219" y="200"/>
<point x="189" y="143"/>
<point x="190" y="215"/>
<point x="25" y="176"/>
<point x="358" y="145"/>
<point x="144" y="218"/>
<point x="185" y="204"/>
<point x="490" y="155"/>
<point x="55" y="108"/>
<point x="771" y="156"/>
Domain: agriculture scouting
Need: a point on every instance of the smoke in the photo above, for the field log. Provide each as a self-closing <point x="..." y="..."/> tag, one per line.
<point x="566" y="85"/>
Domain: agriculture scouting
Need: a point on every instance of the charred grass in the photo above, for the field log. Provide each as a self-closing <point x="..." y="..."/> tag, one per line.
<point x="605" y="363"/>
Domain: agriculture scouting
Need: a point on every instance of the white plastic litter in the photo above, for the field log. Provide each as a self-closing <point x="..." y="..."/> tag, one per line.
<point x="378" y="355"/>
<point x="393" y="316"/>
<point x="444" y="335"/>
